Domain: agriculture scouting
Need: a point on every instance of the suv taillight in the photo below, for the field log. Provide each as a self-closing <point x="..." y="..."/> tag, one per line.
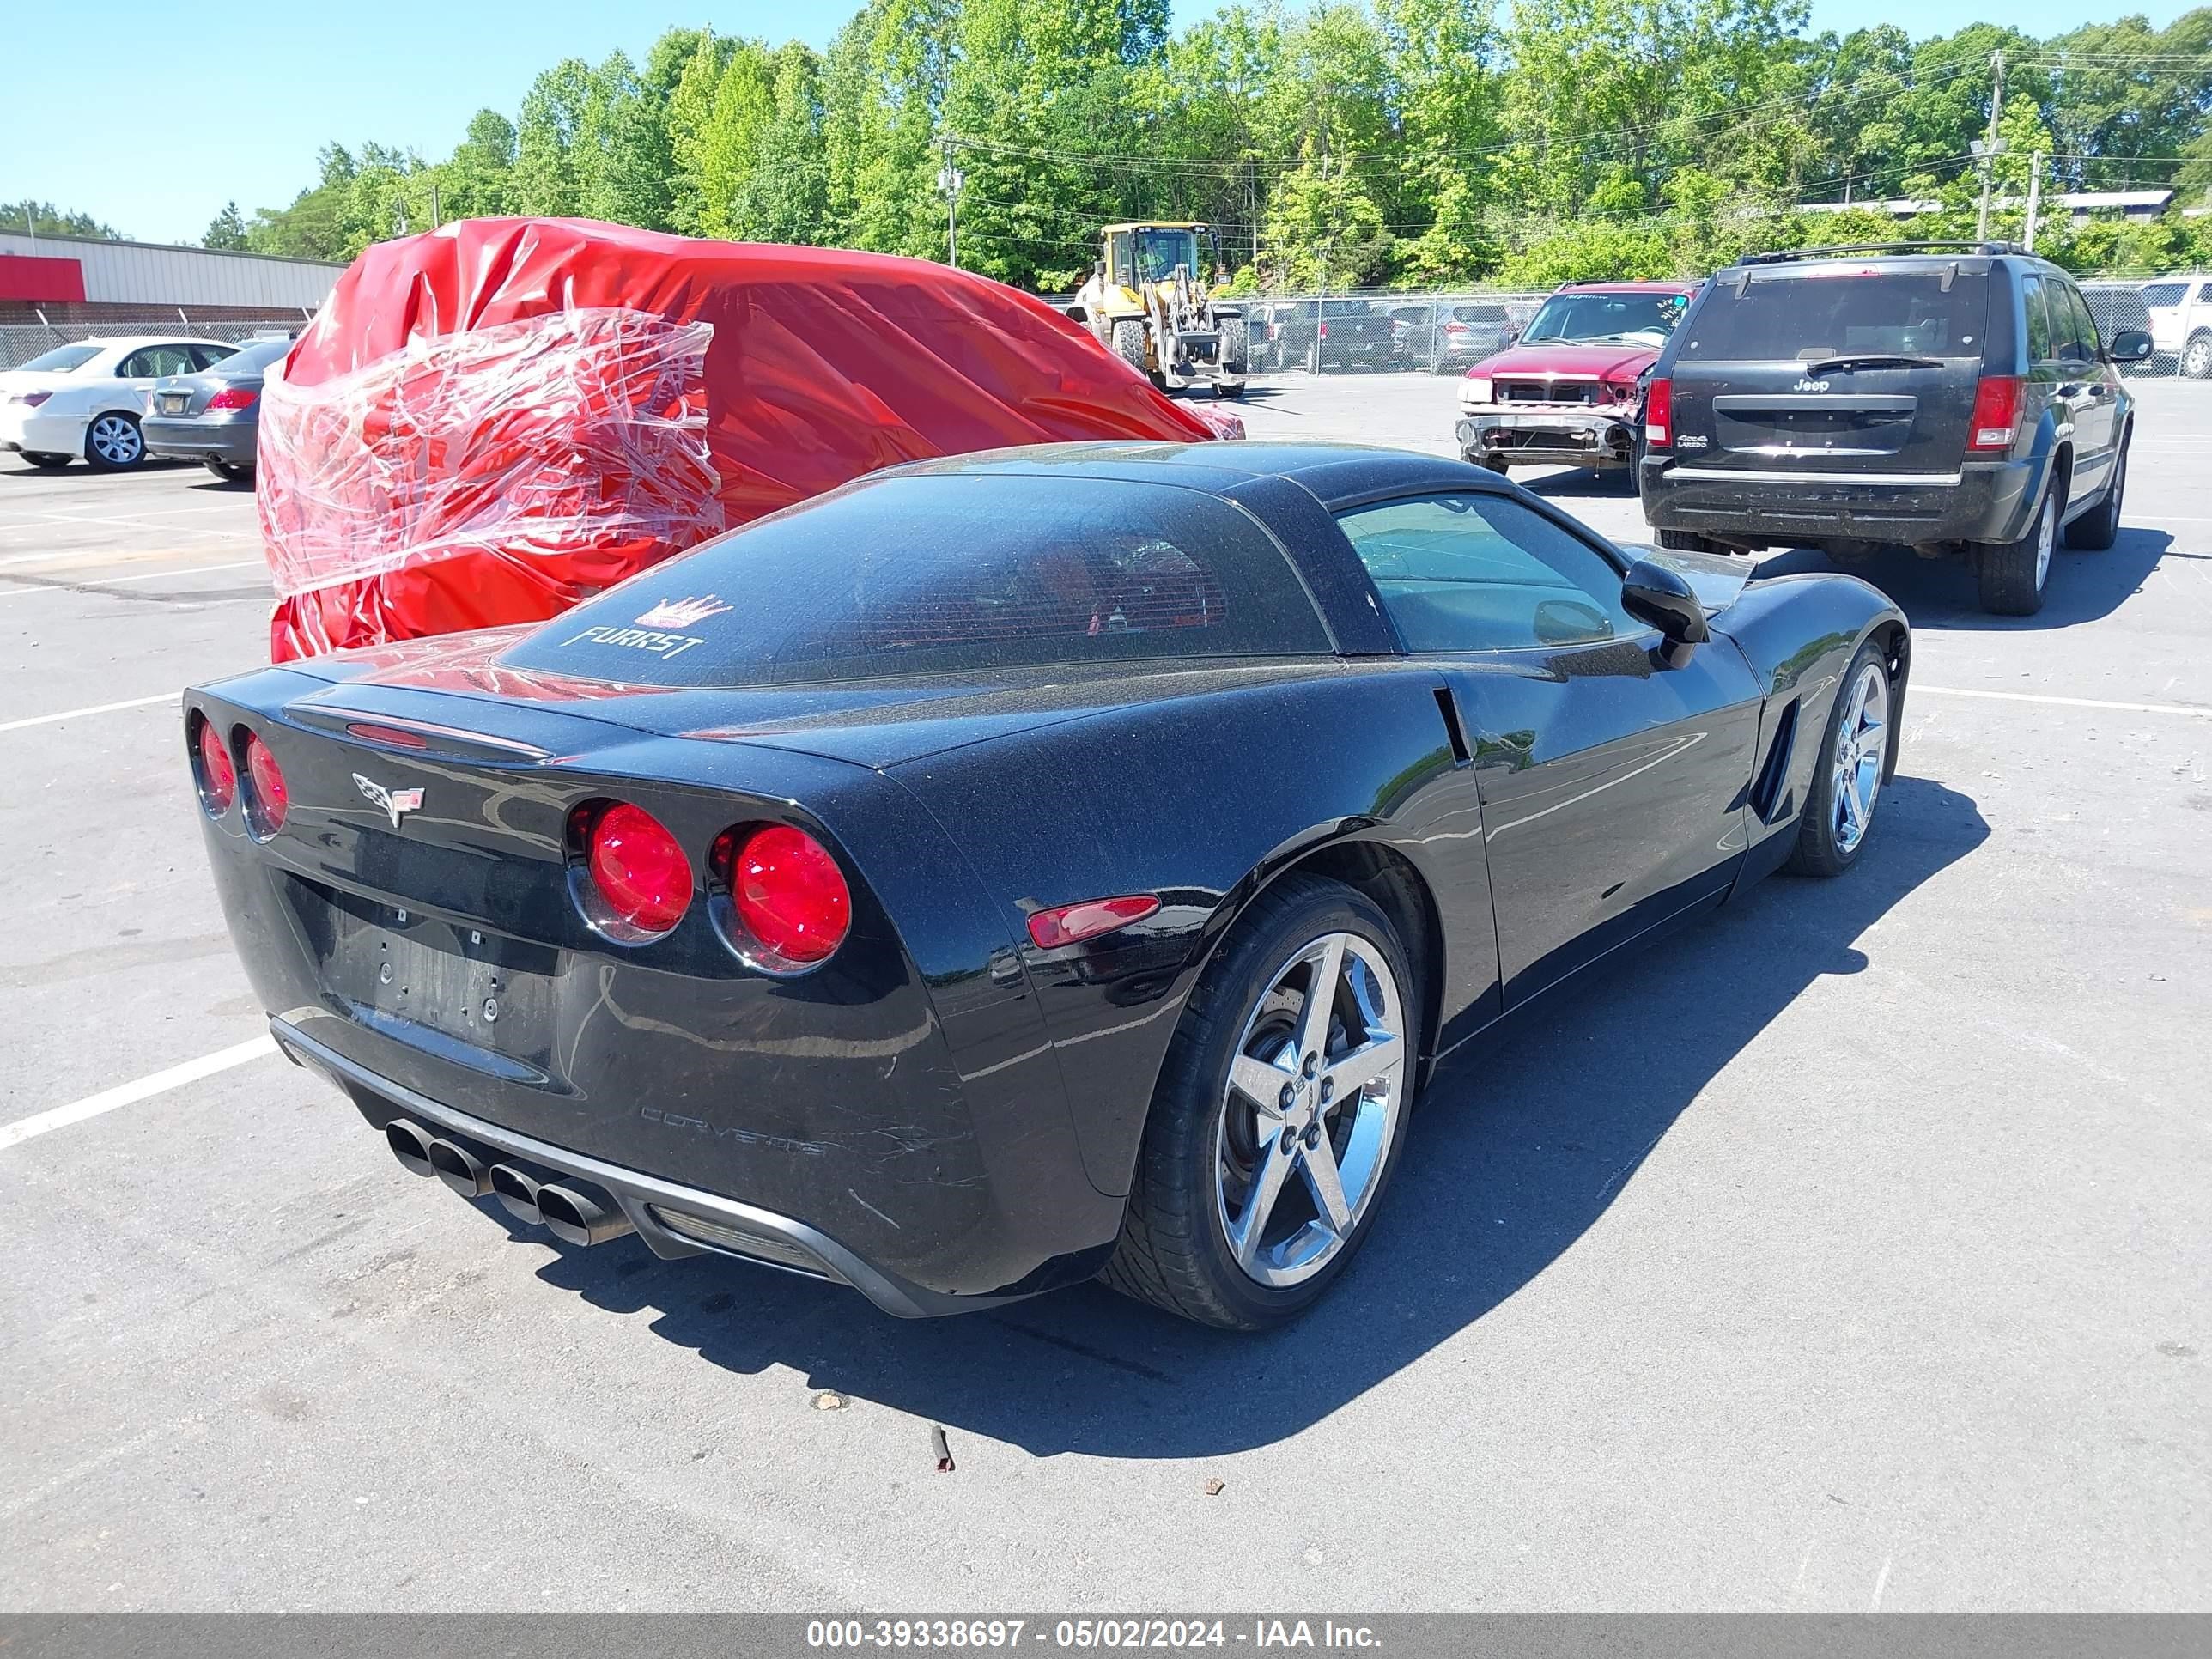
<point x="1659" y="415"/>
<point x="1997" y="413"/>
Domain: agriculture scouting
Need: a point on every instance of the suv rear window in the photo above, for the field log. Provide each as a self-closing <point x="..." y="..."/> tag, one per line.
<point x="940" y="573"/>
<point x="1776" y="317"/>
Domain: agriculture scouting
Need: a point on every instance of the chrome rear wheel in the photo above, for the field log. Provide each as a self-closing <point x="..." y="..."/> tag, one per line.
<point x="1311" y="1109"/>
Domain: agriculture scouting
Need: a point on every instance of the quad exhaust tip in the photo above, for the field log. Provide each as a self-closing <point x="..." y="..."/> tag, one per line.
<point x="578" y="1218"/>
<point x="576" y="1215"/>
<point x="517" y="1193"/>
<point x="410" y="1145"/>
<point x="460" y="1168"/>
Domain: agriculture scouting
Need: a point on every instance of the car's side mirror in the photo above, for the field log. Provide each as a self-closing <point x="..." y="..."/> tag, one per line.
<point x="2130" y="345"/>
<point x="1652" y="593"/>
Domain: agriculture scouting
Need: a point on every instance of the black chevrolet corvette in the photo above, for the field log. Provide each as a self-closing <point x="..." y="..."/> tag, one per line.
<point x="1026" y="866"/>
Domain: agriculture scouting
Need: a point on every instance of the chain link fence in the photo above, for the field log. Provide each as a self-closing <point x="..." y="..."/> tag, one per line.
<point x="1376" y="333"/>
<point x="21" y="342"/>
<point x="1368" y="332"/>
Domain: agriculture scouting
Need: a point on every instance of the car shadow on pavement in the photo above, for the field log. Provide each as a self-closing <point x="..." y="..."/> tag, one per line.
<point x="1943" y="593"/>
<point x="1517" y="1148"/>
<point x="1580" y="482"/>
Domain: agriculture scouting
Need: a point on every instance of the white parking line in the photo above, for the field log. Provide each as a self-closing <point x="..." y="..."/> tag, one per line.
<point x="192" y="1071"/>
<point x="45" y="519"/>
<point x="52" y="583"/>
<point x="97" y="709"/>
<point x="2067" y="703"/>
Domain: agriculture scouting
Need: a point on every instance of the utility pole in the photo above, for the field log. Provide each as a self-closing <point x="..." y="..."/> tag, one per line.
<point x="2034" y="197"/>
<point x="950" y="178"/>
<point x="434" y="220"/>
<point x="1989" y="149"/>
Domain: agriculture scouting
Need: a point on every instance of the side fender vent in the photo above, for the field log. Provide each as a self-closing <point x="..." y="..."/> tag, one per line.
<point x="1449" y="710"/>
<point x="1766" y="794"/>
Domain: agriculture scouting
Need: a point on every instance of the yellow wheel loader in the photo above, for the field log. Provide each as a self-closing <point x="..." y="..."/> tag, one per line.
<point x="1147" y="302"/>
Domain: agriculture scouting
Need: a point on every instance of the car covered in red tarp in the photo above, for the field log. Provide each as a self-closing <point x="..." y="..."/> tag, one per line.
<point x="494" y="421"/>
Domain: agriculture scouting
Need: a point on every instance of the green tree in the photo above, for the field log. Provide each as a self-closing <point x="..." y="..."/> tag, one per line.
<point x="226" y="230"/>
<point x="44" y="219"/>
<point x="548" y="178"/>
<point x="784" y="196"/>
<point x="313" y="226"/>
<point x="476" y="181"/>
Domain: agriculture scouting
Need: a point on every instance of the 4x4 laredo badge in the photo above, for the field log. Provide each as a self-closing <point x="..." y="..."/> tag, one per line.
<point x="396" y="804"/>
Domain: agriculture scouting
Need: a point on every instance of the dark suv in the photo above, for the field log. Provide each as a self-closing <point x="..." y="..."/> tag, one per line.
<point x="1953" y="398"/>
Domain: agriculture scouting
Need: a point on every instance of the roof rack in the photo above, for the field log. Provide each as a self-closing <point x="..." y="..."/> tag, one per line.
<point x="1783" y="256"/>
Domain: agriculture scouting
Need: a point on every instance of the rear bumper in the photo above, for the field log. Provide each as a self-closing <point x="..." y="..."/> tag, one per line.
<point x="1544" y="437"/>
<point x="655" y="1206"/>
<point x="199" y="440"/>
<point x="910" y="1140"/>
<point x="25" y="431"/>
<point x="1983" y="501"/>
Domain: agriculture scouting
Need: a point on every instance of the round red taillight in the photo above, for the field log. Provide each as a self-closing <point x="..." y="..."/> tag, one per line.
<point x="640" y="872"/>
<point x="268" y="802"/>
<point x="790" y="897"/>
<point x="218" y="776"/>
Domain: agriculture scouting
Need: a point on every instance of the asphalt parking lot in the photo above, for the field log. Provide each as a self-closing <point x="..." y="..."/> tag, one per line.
<point x="1847" y="1251"/>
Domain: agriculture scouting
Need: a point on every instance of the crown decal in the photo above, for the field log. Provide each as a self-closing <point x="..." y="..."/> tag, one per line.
<point x="682" y="613"/>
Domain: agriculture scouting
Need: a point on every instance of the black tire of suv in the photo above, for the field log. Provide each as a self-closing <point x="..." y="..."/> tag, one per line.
<point x="1172" y="1252"/>
<point x="1685" y="541"/>
<point x="2095" y="531"/>
<point x="2195" y="359"/>
<point x="1817" y="852"/>
<point x="2014" y="576"/>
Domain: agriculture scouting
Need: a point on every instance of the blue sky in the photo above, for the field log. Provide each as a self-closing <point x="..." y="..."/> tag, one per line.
<point x="154" y="120"/>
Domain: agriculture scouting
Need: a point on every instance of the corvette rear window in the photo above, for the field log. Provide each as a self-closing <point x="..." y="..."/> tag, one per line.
<point x="1837" y="313"/>
<point x="941" y="574"/>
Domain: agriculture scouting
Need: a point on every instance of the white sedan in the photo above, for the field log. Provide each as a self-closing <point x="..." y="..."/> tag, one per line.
<point x="87" y="399"/>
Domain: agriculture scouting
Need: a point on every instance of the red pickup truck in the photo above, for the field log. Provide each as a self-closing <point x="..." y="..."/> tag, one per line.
<point x="1568" y="393"/>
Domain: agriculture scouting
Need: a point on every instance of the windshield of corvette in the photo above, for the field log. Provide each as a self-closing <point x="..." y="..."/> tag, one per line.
<point x="945" y="572"/>
<point x="1626" y="318"/>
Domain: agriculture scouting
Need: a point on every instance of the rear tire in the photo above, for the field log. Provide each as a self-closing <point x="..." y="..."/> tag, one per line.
<point x="229" y="471"/>
<point x="2096" y="530"/>
<point x="2015" y="575"/>
<point x="1686" y="541"/>
<point x="114" y="443"/>
<point x="1840" y="801"/>
<point x="1233" y="357"/>
<point x="1129" y="347"/>
<point x="1175" y="1250"/>
<point x="2196" y="360"/>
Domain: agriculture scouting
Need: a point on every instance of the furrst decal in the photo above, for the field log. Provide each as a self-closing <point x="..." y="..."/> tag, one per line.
<point x="394" y="804"/>
<point x="655" y="629"/>
<point x="660" y="644"/>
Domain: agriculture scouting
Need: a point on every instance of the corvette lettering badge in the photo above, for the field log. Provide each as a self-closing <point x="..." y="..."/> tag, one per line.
<point x="395" y="804"/>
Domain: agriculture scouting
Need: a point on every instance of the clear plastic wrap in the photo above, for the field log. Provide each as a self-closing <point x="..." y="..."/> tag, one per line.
<point x="488" y="423"/>
<point x="569" y="447"/>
